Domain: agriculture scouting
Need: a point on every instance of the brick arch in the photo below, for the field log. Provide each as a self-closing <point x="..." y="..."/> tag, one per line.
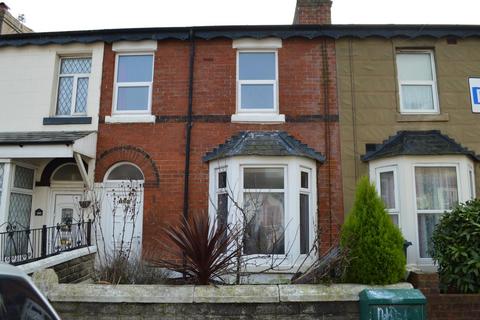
<point x="128" y="153"/>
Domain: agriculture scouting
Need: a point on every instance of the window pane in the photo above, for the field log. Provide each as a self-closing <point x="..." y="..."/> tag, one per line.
<point x="67" y="216"/>
<point x="471" y="182"/>
<point x="75" y="65"/>
<point x="135" y="68"/>
<point x="68" y="172"/>
<point x="20" y="210"/>
<point x="263" y="178"/>
<point x="125" y="172"/>
<point x="264" y="225"/>
<point x="304" y="223"/>
<point x="2" y="168"/>
<point x="414" y="66"/>
<point x="132" y="98"/>
<point x="23" y="178"/>
<point x="417" y="97"/>
<point x="436" y="188"/>
<point x="394" y="218"/>
<point x="82" y="92"/>
<point x="304" y="180"/>
<point x="257" y="66"/>
<point x="222" y="180"/>
<point x="64" y="98"/>
<point x="387" y="189"/>
<point x="257" y="96"/>
<point x="426" y="225"/>
<point x="222" y="208"/>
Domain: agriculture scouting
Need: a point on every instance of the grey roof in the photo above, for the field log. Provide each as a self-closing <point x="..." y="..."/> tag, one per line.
<point x="41" y="137"/>
<point x="263" y="143"/>
<point x="235" y="32"/>
<point x="431" y="142"/>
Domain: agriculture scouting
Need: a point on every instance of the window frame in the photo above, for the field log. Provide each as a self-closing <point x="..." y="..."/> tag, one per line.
<point x="239" y="83"/>
<point x="439" y="212"/>
<point x="117" y="85"/>
<point x="292" y="186"/>
<point x="432" y="83"/>
<point x="75" y="76"/>
<point x="378" y="172"/>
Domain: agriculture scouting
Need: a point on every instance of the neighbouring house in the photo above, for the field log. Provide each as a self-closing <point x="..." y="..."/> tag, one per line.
<point x="409" y="118"/>
<point x="49" y="98"/>
<point x="10" y="25"/>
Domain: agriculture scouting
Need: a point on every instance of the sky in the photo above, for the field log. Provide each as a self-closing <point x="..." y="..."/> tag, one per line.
<point x="63" y="15"/>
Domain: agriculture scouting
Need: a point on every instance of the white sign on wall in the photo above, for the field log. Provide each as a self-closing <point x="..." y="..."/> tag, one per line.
<point x="474" y="85"/>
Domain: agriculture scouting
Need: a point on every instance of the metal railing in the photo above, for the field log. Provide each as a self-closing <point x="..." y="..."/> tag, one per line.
<point x="27" y="245"/>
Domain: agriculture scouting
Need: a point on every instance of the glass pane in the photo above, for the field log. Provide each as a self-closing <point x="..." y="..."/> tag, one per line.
<point x="132" y="98"/>
<point x="23" y="178"/>
<point x="263" y="178"/>
<point x="222" y="208"/>
<point x="257" y="66"/>
<point x="436" y="188"/>
<point x="257" y="96"/>
<point x="82" y="93"/>
<point x="68" y="172"/>
<point x="387" y="189"/>
<point x="471" y="182"/>
<point x="2" y="168"/>
<point x="417" y="97"/>
<point x="125" y="172"/>
<point x="75" y="65"/>
<point x="426" y="225"/>
<point x="304" y="223"/>
<point x="64" y="98"/>
<point x="20" y="210"/>
<point x="222" y="180"/>
<point x="414" y="66"/>
<point x="67" y="216"/>
<point x="304" y="180"/>
<point x="264" y="225"/>
<point x="135" y="68"/>
<point x="394" y="218"/>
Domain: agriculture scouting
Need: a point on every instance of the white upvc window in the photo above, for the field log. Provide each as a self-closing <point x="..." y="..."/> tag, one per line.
<point x="133" y="83"/>
<point x="417" y="82"/>
<point x="273" y="200"/>
<point x="257" y="81"/>
<point x="387" y="187"/>
<point x="418" y="190"/>
<point x="436" y="192"/>
<point x="72" y="90"/>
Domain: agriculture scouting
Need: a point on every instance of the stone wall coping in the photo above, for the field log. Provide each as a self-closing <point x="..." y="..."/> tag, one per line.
<point x="49" y="262"/>
<point x="209" y="294"/>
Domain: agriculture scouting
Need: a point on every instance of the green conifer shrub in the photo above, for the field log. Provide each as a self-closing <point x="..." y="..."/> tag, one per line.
<point x="374" y="243"/>
<point x="456" y="248"/>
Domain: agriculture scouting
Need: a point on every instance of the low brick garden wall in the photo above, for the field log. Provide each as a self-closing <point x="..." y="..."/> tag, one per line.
<point x="445" y="306"/>
<point x="91" y="301"/>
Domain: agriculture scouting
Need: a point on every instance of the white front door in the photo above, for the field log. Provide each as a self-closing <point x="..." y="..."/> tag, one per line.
<point x="66" y="209"/>
<point x="122" y="217"/>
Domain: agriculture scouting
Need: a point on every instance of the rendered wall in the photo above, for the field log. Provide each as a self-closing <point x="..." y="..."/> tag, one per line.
<point x="369" y="105"/>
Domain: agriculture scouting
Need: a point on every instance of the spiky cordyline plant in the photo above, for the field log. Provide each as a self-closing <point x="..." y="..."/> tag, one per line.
<point x="208" y="249"/>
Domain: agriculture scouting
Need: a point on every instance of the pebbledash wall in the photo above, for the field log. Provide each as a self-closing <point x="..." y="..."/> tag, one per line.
<point x="307" y="98"/>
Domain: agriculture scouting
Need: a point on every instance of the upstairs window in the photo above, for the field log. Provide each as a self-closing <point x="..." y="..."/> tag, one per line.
<point x="257" y="81"/>
<point x="417" y="82"/>
<point x="72" y="91"/>
<point x="133" y="83"/>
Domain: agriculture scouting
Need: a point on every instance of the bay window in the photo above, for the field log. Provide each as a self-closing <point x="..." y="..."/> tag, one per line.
<point x="273" y="201"/>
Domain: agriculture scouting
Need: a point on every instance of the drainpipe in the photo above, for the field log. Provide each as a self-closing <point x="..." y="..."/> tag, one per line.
<point x="188" y="131"/>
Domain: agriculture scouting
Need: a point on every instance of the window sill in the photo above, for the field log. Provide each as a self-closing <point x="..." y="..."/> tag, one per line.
<point x="422" y="117"/>
<point x="66" y="120"/>
<point x="134" y="118"/>
<point x="258" y="117"/>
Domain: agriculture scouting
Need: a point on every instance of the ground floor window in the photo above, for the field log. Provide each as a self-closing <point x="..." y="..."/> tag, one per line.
<point x="273" y="199"/>
<point x="417" y="190"/>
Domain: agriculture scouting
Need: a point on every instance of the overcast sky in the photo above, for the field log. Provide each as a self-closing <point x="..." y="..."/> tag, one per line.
<point x="57" y="15"/>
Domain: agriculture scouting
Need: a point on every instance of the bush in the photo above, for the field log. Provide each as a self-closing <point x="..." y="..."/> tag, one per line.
<point x="456" y="248"/>
<point x="374" y="243"/>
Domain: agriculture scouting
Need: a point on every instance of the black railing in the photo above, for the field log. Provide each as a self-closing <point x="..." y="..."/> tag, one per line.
<point x="27" y="245"/>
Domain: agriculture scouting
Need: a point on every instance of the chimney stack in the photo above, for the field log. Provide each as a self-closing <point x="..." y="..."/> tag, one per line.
<point x="313" y="12"/>
<point x="4" y="7"/>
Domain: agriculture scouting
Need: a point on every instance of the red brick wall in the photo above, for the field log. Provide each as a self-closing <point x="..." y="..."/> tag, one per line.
<point x="313" y="12"/>
<point x="445" y="306"/>
<point x="159" y="149"/>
